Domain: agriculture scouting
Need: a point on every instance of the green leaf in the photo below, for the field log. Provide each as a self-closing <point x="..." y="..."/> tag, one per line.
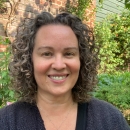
<point x="11" y="94"/>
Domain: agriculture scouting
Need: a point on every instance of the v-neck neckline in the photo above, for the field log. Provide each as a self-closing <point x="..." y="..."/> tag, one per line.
<point x="80" y="121"/>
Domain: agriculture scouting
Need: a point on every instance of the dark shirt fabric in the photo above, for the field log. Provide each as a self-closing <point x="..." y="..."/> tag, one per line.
<point x="99" y="115"/>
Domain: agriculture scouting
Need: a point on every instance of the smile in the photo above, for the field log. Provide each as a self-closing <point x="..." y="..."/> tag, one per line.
<point x="58" y="77"/>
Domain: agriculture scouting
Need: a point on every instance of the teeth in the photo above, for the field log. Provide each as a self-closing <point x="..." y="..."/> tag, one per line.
<point x="58" y="77"/>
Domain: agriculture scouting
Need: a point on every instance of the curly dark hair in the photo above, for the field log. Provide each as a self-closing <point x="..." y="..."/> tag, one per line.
<point x="21" y="66"/>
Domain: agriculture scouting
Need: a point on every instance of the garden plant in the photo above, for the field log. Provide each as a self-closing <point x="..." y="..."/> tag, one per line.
<point x="6" y="94"/>
<point x="115" y="88"/>
<point x="113" y="39"/>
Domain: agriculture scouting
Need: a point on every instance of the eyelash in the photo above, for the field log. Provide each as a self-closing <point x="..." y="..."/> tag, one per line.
<point x="47" y="54"/>
<point x="69" y="54"/>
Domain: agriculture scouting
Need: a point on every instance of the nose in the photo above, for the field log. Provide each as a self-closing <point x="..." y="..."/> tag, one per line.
<point x="58" y="63"/>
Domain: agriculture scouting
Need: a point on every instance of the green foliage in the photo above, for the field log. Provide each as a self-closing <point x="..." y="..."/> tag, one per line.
<point x="2" y="6"/>
<point x="1" y="2"/>
<point x="115" y="89"/>
<point x="127" y="4"/>
<point x="113" y="39"/>
<point x="78" y="7"/>
<point x="5" y="93"/>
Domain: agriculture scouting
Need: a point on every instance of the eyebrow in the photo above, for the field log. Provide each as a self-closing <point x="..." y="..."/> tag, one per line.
<point x="48" y="47"/>
<point x="68" y="48"/>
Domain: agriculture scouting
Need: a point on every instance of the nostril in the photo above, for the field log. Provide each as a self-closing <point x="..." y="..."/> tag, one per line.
<point x="58" y="64"/>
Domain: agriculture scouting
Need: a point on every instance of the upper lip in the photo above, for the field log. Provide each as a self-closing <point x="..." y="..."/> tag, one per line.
<point x="58" y="74"/>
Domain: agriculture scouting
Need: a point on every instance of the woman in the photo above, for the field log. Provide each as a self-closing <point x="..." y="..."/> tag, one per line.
<point x="54" y="71"/>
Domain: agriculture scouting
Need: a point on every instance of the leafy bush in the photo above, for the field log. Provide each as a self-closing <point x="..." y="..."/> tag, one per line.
<point x="5" y="93"/>
<point x="115" y="89"/>
<point x="78" y="8"/>
<point x="113" y="39"/>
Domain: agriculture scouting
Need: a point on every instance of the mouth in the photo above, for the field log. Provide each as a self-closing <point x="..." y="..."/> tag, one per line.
<point x="58" y="77"/>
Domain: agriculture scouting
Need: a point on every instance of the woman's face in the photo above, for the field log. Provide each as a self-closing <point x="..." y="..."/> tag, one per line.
<point x="56" y="60"/>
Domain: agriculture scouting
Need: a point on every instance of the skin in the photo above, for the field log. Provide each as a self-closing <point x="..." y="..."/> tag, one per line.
<point x="56" y="55"/>
<point x="56" y="69"/>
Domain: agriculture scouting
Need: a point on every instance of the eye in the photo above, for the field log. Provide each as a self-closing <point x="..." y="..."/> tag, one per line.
<point x="47" y="54"/>
<point x="69" y="54"/>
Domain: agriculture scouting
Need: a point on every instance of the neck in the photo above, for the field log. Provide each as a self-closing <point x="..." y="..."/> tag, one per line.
<point x="51" y="103"/>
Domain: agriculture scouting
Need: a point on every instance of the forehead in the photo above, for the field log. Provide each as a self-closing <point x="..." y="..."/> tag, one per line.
<point x="55" y="29"/>
<point x="56" y="34"/>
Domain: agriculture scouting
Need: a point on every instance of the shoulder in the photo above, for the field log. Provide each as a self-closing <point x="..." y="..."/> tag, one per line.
<point x="15" y="107"/>
<point x="103" y="108"/>
<point x="13" y="114"/>
<point x="101" y="105"/>
<point x="105" y="114"/>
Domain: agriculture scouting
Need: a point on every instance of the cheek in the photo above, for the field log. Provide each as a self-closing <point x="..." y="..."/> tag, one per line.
<point x="75" y="67"/>
<point x="40" y="71"/>
<point x="40" y="68"/>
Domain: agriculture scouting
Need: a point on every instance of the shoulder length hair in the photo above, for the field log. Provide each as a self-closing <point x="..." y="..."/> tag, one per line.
<point x="21" y="66"/>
